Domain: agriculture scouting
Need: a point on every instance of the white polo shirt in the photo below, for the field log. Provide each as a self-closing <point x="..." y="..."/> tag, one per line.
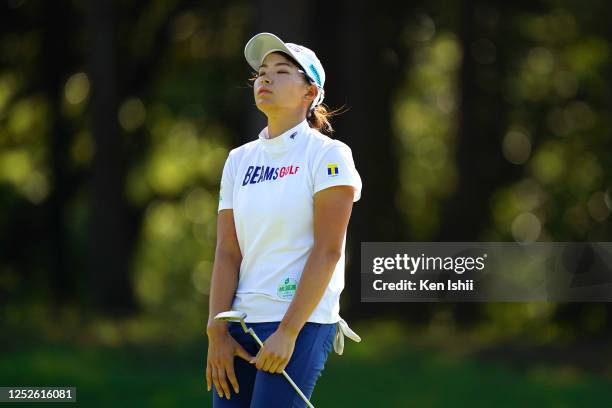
<point x="270" y="185"/>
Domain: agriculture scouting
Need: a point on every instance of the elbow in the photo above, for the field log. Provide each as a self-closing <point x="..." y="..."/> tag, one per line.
<point x="235" y="258"/>
<point x="330" y="253"/>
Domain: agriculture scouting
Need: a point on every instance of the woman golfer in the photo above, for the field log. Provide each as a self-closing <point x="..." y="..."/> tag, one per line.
<point x="284" y="206"/>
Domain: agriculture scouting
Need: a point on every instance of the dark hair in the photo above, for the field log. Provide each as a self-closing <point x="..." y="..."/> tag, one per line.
<point x="318" y="117"/>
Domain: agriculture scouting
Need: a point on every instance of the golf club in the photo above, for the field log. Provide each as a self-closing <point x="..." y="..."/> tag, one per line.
<point x="236" y="316"/>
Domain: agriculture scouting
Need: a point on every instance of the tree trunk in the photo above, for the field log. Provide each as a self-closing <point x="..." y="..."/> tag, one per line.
<point x="58" y="60"/>
<point x="111" y="285"/>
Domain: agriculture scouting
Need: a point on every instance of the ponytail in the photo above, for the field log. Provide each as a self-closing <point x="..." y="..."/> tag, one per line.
<point x="319" y="118"/>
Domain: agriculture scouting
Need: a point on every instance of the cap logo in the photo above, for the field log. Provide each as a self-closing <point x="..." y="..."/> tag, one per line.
<point x="315" y="74"/>
<point x="295" y="48"/>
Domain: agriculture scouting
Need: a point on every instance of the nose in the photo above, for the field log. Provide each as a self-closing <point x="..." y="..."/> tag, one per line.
<point x="266" y="80"/>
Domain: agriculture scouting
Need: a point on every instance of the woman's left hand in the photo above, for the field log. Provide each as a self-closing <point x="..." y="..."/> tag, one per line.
<point x="276" y="352"/>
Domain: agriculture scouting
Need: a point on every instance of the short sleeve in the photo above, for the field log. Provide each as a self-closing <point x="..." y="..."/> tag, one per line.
<point x="226" y="189"/>
<point x="337" y="168"/>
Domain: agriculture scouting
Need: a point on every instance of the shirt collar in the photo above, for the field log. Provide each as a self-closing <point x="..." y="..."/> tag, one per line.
<point x="285" y="140"/>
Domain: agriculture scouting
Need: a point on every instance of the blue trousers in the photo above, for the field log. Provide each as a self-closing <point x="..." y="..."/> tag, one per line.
<point x="260" y="389"/>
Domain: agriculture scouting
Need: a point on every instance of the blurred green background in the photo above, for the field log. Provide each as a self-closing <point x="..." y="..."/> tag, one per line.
<point x="468" y="121"/>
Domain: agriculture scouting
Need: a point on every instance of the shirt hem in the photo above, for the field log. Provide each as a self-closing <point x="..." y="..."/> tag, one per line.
<point x="277" y="318"/>
<point x="334" y="183"/>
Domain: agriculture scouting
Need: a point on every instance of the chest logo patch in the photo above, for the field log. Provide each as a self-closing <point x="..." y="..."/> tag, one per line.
<point x="287" y="288"/>
<point x="257" y="174"/>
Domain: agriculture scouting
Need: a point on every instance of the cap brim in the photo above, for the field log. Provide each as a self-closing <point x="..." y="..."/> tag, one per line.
<point x="261" y="45"/>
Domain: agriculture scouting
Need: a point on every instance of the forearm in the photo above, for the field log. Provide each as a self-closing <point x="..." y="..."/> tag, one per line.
<point x="315" y="278"/>
<point x="224" y="282"/>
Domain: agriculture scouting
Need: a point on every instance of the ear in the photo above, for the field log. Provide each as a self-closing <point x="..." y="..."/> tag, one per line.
<point x="312" y="93"/>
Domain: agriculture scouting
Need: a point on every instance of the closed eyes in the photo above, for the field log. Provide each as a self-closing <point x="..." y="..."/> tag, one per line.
<point x="263" y="73"/>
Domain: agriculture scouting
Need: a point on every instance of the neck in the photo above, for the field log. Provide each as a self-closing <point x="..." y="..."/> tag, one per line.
<point x="278" y="124"/>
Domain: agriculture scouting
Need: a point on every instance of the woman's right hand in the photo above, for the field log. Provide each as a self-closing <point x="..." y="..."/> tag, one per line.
<point x="220" y="359"/>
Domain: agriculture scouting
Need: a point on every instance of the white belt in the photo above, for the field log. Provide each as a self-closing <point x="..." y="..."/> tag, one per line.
<point x="343" y="329"/>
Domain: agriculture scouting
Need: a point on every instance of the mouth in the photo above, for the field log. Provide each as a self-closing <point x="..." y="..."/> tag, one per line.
<point x="261" y="91"/>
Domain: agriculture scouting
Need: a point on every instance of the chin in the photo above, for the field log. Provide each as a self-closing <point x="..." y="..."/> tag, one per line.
<point x="265" y="107"/>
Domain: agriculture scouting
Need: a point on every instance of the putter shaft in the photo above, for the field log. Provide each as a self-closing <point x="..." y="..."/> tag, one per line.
<point x="236" y="316"/>
<point x="294" y="385"/>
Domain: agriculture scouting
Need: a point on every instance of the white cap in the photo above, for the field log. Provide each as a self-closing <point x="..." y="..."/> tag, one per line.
<point x="262" y="44"/>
